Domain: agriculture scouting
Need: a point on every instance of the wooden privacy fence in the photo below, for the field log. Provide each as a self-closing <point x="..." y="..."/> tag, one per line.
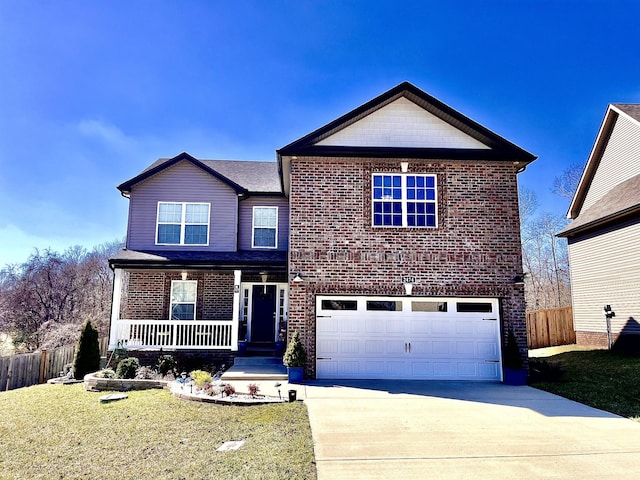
<point x="548" y="328"/>
<point x="28" y="369"/>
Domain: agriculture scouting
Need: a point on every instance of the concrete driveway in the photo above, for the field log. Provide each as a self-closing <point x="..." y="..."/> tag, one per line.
<point x="456" y="430"/>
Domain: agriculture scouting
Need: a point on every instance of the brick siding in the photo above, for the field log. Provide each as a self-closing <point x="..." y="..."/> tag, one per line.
<point x="148" y="295"/>
<point x="474" y="251"/>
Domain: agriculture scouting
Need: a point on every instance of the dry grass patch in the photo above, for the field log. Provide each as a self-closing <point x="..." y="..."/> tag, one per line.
<point x="63" y="432"/>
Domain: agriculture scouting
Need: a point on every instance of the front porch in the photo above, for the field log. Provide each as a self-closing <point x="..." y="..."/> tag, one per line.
<point x="174" y="334"/>
<point x="190" y="307"/>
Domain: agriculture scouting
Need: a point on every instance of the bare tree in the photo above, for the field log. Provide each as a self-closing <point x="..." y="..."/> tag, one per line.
<point x="544" y="256"/>
<point x="44" y="301"/>
<point x="566" y="184"/>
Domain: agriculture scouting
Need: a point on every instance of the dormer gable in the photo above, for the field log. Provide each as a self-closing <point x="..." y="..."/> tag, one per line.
<point x="163" y="164"/>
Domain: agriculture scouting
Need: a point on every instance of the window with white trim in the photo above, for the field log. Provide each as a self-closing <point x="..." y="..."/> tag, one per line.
<point x="404" y="200"/>
<point x="182" y="223"/>
<point x="265" y="227"/>
<point x="183" y="299"/>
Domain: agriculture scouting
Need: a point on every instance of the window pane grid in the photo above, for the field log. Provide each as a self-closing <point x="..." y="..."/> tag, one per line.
<point x="183" y="223"/>
<point x="404" y="200"/>
<point x="183" y="299"/>
<point x="265" y="227"/>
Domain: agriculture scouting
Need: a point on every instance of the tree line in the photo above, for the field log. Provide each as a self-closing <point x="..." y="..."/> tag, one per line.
<point x="45" y="301"/>
<point x="545" y="257"/>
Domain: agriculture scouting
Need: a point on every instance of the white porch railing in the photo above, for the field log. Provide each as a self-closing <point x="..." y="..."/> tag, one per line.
<point x="174" y="334"/>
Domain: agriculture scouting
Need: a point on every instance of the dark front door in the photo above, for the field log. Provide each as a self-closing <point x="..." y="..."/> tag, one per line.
<point x="263" y="309"/>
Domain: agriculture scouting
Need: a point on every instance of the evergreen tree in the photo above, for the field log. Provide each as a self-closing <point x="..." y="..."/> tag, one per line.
<point x="87" y="358"/>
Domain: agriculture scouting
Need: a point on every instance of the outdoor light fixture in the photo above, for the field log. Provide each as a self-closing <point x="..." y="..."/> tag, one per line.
<point x="519" y="279"/>
<point x="278" y="384"/>
<point x="297" y="278"/>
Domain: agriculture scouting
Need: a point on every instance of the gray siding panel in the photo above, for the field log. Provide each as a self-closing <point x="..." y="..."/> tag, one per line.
<point x="620" y="160"/>
<point x="182" y="182"/>
<point x="246" y="217"/>
<point x="605" y="270"/>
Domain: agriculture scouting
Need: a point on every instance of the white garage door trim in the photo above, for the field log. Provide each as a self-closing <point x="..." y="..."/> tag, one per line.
<point x="430" y="338"/>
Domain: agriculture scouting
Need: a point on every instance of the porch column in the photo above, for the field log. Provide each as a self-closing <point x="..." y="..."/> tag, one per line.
<point x="115" y="308"/>
<point x="237" y="276"/>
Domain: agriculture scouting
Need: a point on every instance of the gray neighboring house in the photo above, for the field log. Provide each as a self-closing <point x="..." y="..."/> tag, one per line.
<point x="604" y="236"/>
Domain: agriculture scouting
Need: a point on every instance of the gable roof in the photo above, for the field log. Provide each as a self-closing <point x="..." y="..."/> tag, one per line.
<point x="490" y="144"/>
<point x="475" y="141"/>
<point x="619" y="203"/>
<point x="245" y="177"/>
<point x="632" y="112"/>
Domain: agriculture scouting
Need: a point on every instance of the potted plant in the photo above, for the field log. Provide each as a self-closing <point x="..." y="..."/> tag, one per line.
<point x="242" y="347"/>
<point x="295" y="358"/>
<point x="514" y="373"/>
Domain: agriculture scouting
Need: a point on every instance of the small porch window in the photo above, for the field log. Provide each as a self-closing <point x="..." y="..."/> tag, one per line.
<point x="183" y="299"/>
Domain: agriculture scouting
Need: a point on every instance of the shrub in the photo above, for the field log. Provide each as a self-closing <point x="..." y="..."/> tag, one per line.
<point x="253" y="389"/>
<point x="127" y="367"/>
<point x="295" y="356"/>
<point x="87" y="357"/>
<point x="145" y="373"/>
<point x="200" y="378"/>
<point x="106" y="373"/>
<point x="512" y="356"/>
<point x="229" y="389"/>
<point x="211" y="390"/>
<point x="166" y="364"/>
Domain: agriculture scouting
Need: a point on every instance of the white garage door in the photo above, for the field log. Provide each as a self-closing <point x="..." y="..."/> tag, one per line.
<point x="407" y="338"/>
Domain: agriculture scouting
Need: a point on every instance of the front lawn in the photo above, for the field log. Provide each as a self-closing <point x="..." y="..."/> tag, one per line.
<point x="63" y="432"/>
<point x="599" y="378"/>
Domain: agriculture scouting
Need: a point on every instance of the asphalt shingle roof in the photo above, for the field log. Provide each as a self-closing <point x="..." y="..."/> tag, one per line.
<point x="273" y="258"/>
<point x="631" y="109"/>
<point x="622" y="199"/>
<point x="255" y="176"/>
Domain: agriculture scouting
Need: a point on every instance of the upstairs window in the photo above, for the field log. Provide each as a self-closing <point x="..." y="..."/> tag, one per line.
<point x="265" y="227"/>
<point x="182" y="223"/>
<point x="404" y="200"/>
<point x="183" y="299"/>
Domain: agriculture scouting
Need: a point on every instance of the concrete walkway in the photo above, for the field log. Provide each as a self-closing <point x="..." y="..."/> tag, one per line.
<point x="457" y="430"/>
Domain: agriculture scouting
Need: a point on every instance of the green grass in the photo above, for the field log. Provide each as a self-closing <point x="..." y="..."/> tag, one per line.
<point x="63" y="432"/>
<point x="599" y="378"/>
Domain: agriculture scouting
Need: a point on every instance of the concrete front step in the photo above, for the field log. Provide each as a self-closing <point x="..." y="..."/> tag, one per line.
<point x="256" y="368"/>
<point x="257" y="361"/>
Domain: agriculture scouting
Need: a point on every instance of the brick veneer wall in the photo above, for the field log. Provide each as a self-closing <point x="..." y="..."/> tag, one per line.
<point x="594" y="339"/>
<point x="147" y="295"/>
<point x="474" y="251"/>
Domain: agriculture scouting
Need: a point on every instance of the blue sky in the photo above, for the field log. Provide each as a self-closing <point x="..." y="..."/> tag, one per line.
<point x="93" y="92"/>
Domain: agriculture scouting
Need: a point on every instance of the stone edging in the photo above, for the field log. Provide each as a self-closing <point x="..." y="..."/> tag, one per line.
<point x="95" y="384"/>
